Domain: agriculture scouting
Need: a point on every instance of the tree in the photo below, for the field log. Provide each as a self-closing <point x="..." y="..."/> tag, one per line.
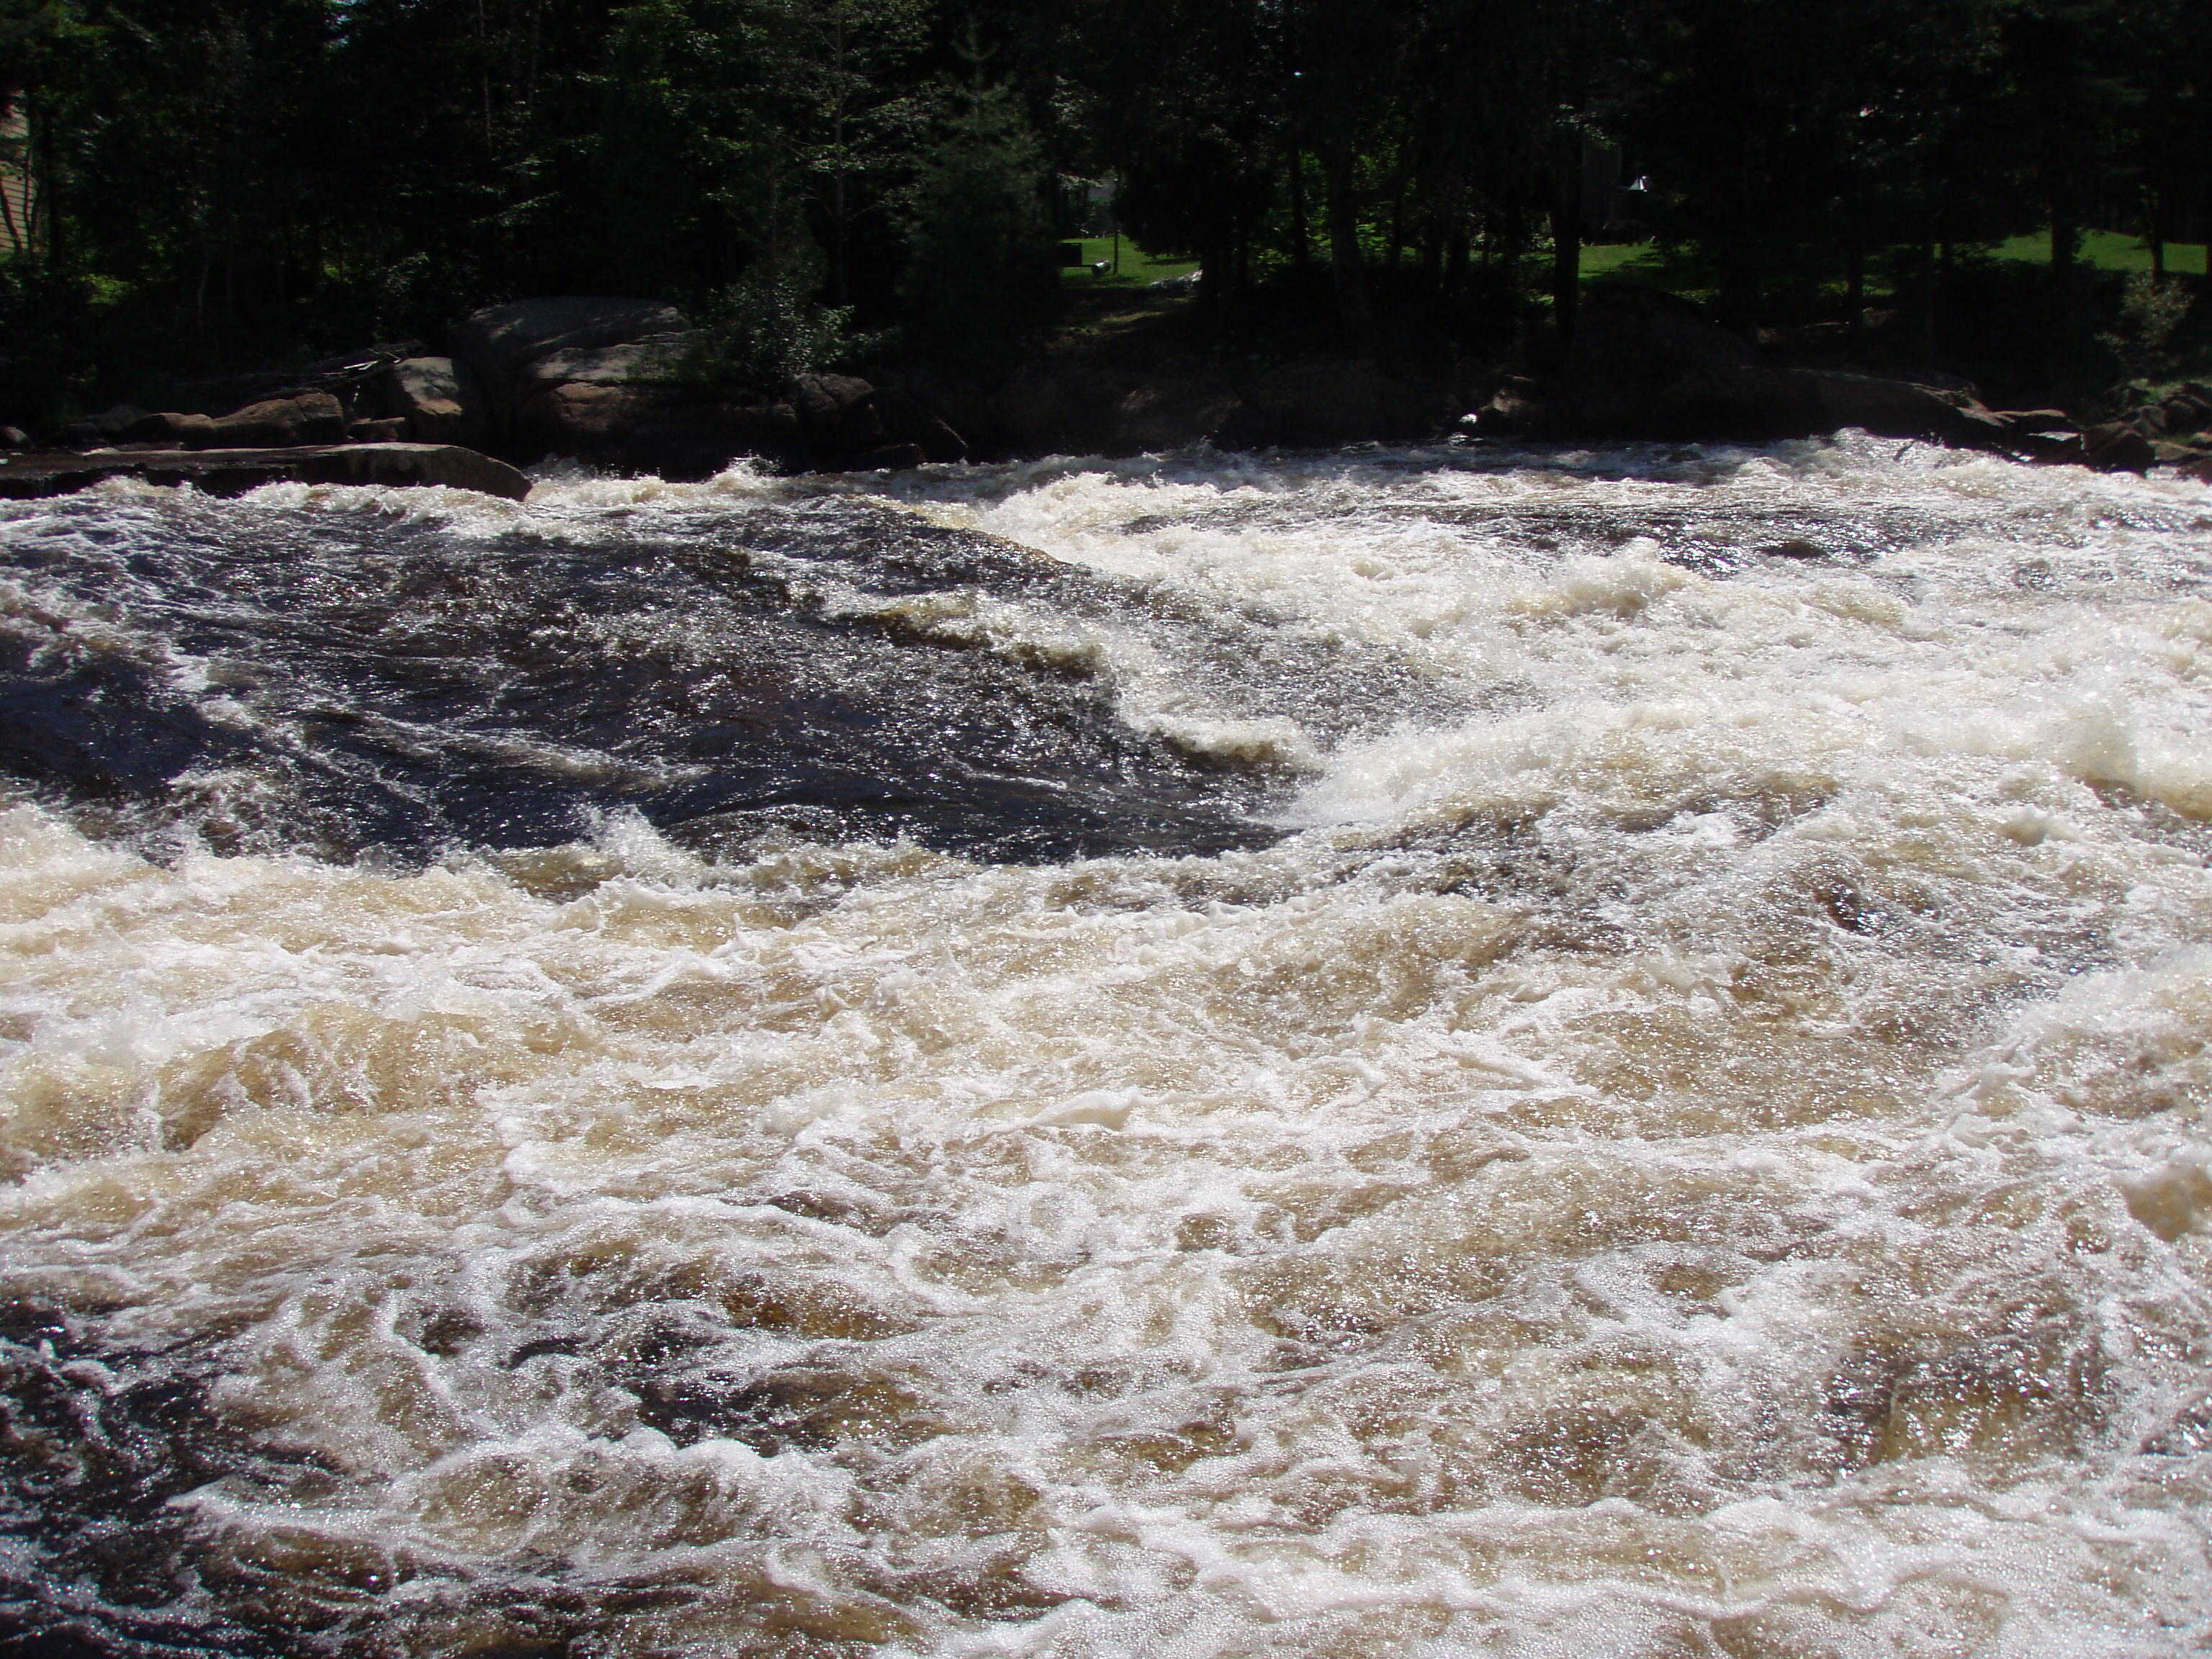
<point x="980" y="270"/>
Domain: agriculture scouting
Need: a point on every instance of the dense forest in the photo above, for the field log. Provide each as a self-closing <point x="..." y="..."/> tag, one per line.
<point x="234" y="181"/>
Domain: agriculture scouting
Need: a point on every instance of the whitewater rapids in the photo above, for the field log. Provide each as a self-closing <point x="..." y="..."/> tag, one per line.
<point x="1421" y="1053"/>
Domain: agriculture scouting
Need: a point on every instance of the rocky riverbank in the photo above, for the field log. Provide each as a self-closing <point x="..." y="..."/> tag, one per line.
<point x="616" y="383"/>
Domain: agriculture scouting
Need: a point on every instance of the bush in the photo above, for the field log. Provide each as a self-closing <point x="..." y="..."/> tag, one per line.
<point x="46" y="365"/>
<point x="762" y="331"/>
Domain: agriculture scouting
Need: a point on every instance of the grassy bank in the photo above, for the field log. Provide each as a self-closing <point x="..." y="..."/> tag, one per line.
<point x="2102" y="250"/>
<point x="1138" y="268"/>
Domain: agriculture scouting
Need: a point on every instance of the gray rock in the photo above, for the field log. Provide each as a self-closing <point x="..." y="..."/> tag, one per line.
<point x="2036" y="423"/>
<point x="311" y="418"/>
<point x="837" y="413"/>
<point x="438" y="397"/>
<point x="584" y="418"/>
<point x="501" y="342"/>
<point x="640" y="363"/>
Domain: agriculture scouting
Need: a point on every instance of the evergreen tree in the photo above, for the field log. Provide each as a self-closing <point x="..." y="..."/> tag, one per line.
<point x="980" y="272"/>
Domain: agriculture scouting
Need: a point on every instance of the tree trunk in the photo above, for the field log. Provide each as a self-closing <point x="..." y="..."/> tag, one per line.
<point x="1346" y="265"/>
<point x="1567" y="243"/>
<point x="2066" y="280"/>
<point x="1853" y="289"/>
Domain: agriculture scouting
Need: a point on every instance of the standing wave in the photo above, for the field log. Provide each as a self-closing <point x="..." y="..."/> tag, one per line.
<point x="1598" y="1053"/>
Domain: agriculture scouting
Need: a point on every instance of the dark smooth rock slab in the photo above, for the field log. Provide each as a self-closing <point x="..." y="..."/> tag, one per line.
<point x="234" y="471"/>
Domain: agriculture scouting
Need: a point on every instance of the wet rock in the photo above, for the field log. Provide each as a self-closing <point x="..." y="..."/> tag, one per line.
<point x="2114" y="447"/>
<point x="891" y="458"/>
<point x="174" y="430"/>
<point x="386" y="430"/>
<point x="689" y="442"/>
<point x="2036" y="423"/>
<point x="2052" y="449"/>
<point x="438" y="397"/>
<point x="1514" y="409"/>
<point x="2188" y="410"/>
<point x="14" y="437"/>
<point x="234" y="471"/>
<point x="308" y="418"/>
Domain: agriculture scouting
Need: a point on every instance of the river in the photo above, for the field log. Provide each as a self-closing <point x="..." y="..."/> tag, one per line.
<point x="1440" y="1052"/>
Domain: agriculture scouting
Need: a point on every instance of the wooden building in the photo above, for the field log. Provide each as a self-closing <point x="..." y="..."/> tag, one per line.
<point x="17" y="199"/>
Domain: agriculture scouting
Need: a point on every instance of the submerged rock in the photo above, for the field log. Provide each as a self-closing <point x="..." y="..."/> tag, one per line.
<point x="234" y="471"/>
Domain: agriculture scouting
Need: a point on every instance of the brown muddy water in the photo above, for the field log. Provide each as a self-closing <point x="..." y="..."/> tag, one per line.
<point x="1428" y="1053"/>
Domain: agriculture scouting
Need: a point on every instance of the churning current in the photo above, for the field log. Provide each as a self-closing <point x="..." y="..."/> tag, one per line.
<point x="1428" y="1053"/>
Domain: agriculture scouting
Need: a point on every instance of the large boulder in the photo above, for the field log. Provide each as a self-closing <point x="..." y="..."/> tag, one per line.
<point x="500" y="342"/>
<point x="1631" y="343"/>
<point x="438" y="397"/>
<point x="1326" y="401"/>
<point x="585" y="419"/>
<point x="1757" y="402"/>
<point x="638" y="363"/>
<point x="837" y="413"/>
<point x="2116" y="447"/>
<point x="311" y="418"/>
<point x="308" y="418"/>
<point x="1648" y="364"/>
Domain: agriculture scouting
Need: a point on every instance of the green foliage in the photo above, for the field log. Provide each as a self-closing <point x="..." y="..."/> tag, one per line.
<point x="761" y="332"/>
<point x="979" y="272"/>
<point x="45" y="323"/>
<point x="243" y="179"/>
<point x="2151" y="310"/>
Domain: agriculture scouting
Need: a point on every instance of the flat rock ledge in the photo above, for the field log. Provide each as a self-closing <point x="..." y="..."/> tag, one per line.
<point x="234" y="471"/>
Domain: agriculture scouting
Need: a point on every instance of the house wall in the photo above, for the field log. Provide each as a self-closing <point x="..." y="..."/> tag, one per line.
<point x="15" y="183"/>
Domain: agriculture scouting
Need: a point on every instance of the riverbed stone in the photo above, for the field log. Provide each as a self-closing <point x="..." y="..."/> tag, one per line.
<point x="234" y="471"/>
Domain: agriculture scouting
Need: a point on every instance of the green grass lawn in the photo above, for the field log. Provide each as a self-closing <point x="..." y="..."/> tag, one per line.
<point x="2109" y="250"/>
<point x="1138" y="268"/>
<point x="1608" y="259"/>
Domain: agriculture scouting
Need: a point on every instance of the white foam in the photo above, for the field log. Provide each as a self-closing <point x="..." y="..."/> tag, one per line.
<point x="1700" y="1147"/>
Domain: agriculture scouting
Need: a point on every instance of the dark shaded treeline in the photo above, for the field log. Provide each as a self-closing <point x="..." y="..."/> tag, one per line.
<point x="231" y="180"/>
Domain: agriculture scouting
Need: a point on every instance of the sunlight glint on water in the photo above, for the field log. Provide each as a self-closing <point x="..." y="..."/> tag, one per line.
<point x="1694" y="1145"/>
